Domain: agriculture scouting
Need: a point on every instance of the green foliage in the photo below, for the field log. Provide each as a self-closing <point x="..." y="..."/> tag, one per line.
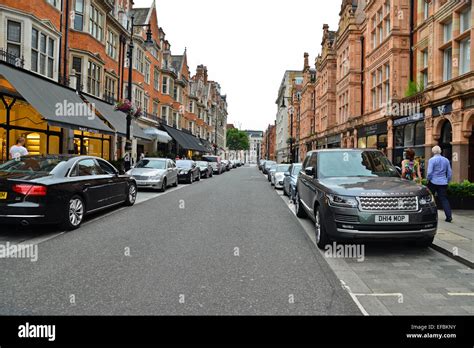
<point x="237" y="140"/>
<point x="456" y="189"/>
<point x="414" y="88"/>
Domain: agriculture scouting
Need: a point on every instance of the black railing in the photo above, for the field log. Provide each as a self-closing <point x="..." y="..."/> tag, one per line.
<point x="12" y="59"/>
<point x="153" y="117"/>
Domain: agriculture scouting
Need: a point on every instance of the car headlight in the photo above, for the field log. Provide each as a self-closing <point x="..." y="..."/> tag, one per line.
<point x="427" y="199"/>
<point x="129" y="172"/>
<point x="342" y="201"/>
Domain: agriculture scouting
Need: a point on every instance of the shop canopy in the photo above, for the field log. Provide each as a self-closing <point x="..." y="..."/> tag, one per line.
<point x="185" y="140"/>
<point x="117" y="119"/>
<point x="159" y="135"/>
<point x="60" y="106"/>
<point x="207" y="145"/>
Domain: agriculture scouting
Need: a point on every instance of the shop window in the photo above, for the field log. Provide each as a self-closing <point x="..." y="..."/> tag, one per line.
<point x="54" y="145"/>
<point x="372" y="142"/>
<point x="24" y="115"/>
<point x="420" y="134"/>
<point x="3" y="145"/>
<point x="36" y="142"/>
<point x="409" y="138"/>
<point x="399" y="136"/>
<point x="362" y="143"/>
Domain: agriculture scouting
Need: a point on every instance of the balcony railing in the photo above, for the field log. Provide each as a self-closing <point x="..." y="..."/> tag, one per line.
<point x="12" y="59"/>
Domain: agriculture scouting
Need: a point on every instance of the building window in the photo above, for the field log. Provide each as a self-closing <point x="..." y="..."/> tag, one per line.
<point x="55" y="3"/>
<point x="465" y="20"/>
<point x="140" y="60"/>
<point x="447" y="64"/>
<point x="138" y="98"/>
<point x="164" y="114"/>
<point x="146" y="103"/>
<point x="79" y="15"/>
<point x="110" y="88"/>
<point x="447" y="31"/>
<point x="14" y="38"/>
<point x="191" y="106"/>
<point x="96" y="23"/>
<point x="77" y="67"/>
<point x="424" y="71"/>
<point x="156" y="78"/>
<point x="112" y="39"/>
<point x="465" y="56"/>
<point x="387" y="83"/>
<point x="147" y="71"/>
<point x="42" y="53"/>
<point x="155" y="108"/>
<point x="93" y="78"/>
<point x="164" y="85"/>
<point x="426" y="9"/>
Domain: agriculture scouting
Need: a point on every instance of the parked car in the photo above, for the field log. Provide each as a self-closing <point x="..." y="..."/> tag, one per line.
<point x="215" y="162"/>
<point x="289" y="183"/>
<point x="188" y="171"/>
<point x="205" y="168"/>
<point x="279" y="175"/>
<point x="226" y="164"/>
<point x="261" y="164"/>
<point x="155" y="173"/>
<point x="271" y="171"/>
<point x="233" y="164"/>
<point x="60" y="189"/>
<point x="358" y="194"/>
<point x="267" y="166"/>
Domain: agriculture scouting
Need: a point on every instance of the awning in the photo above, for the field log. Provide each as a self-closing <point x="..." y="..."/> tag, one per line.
<point x="58" y="105"/>
<point x="185" y="140"/>
<point x="207" y="145"/>
<point x="159" y="135"/>
<point x="117" y="119"/>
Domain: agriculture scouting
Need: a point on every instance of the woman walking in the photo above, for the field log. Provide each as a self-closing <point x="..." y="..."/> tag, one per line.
<point x="410" y="168"/>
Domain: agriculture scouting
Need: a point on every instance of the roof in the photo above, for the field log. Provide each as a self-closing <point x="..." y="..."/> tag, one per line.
<point x="140" y="15"/>
<point x="177" y="62"/>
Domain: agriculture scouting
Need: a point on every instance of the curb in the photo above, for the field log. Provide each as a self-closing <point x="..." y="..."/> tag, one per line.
<point x="443" y="248"/>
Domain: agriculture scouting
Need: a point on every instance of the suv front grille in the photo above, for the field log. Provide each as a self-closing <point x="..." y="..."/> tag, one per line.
<point x="141" y="178"/>
<point x="388" y="203"/>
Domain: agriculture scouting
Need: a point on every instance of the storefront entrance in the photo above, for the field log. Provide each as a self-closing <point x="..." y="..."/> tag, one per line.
<point x="446" y="140"/>
<point x="92" y="144"/>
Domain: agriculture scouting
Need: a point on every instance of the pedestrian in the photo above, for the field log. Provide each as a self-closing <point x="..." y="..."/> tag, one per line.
<point x="18" y="150"/>
<point x="142" y="156"/>
<point x="410" y="168"/>
<point x="439" y="176"/>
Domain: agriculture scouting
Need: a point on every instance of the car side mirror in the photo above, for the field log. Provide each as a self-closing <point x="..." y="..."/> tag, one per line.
<point x="310" y="171"/>
<point x="287" y="173"/>
<point x="121" y="172"/>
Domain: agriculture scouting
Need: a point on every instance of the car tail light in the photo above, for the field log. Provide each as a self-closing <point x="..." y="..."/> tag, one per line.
<point x="29" y="190"/>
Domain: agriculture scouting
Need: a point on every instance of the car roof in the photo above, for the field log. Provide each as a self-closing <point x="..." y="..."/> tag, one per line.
<point x="156" y="159"/>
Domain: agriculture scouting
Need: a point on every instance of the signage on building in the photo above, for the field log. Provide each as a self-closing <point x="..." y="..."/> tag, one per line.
<point x="409" y="119"/>
<point x="379" y="128"/>
<point x="441" y="110"/>
<point x="334" y="139"/>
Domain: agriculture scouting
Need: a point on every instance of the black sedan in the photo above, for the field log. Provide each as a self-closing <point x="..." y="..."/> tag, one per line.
<point x="60" y="189"/>
<point x="188" y="171"/>
<point x="206" y="169"/>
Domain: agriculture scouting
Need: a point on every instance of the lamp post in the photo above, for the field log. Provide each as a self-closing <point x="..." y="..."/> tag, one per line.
<point x="148" y="42"/>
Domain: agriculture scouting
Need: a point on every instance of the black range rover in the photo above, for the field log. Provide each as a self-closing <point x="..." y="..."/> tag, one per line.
<point x="358" y="194"/>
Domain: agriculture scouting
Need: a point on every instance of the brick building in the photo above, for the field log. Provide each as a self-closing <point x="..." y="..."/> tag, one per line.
<point x="269" y="143"/>
<point x="393" y="76"/>
<point x="83" y="45"/>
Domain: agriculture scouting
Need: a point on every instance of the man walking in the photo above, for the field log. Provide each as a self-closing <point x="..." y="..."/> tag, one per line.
<point x="18" y="150"/>
<point x="439" y="175"/>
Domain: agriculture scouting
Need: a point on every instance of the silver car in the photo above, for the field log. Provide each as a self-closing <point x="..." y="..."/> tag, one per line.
<point x="279" y="175"/>
<point x="155" y="173"/>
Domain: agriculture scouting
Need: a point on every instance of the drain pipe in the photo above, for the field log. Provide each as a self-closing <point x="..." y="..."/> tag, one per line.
<point x="412" y="27"/>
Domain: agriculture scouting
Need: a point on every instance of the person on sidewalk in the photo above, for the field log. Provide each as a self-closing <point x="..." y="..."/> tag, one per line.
<point x="410" y="168"/>
<point x="18" y="150"/>
<point x="439" y="176"/>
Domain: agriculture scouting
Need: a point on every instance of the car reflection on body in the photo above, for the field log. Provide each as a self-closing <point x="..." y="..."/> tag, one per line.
<point x="188" y="171"/>
<point x="60" y="189"/>
<point x="289" y="183"/>
<point x="205" y="168"/>
<point x="279" y="175"/>
<point x="155" y="173"/>
<point x="271" y="171"/>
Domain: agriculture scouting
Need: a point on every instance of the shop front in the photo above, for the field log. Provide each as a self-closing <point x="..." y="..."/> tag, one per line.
<point x="373" y="137"/>
<point x="184" y="145"/>
<point x="321" y="143"/>
<point x="334" y="141"/>
<point x="52" y="118"/>
<point x="409" y="132"/>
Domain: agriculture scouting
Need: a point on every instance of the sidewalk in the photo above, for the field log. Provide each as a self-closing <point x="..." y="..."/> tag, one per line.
<point x="456" y="239"/>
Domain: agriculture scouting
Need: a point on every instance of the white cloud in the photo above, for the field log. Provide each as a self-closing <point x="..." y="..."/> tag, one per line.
<point x="247" y="45"/>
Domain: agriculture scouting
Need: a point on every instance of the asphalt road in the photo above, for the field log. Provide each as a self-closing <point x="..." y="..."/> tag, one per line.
<point x="224" y="246"/>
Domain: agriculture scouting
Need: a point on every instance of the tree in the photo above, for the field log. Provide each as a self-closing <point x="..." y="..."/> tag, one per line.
<point x="237" y="140"/>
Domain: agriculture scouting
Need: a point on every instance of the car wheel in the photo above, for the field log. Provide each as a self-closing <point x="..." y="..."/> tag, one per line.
<point x="164" y="185"/>
<point x="176" y="183"/>
<point x="321" y="236"/>
<point x="190" y="179"/>
<point x="131" y="196"/>
<point x="300" y="212"/>
<point x="198" y="177"/>
<point x="75" y="211"/>
<point x="425" y="243"/>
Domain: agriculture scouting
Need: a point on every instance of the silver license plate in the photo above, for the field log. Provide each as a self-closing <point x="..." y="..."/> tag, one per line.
<point x="392" y="219"/>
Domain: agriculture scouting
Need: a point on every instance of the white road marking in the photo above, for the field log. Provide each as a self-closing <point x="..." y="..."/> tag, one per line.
<point x="354" y="297"/>
<point x="461" y="294"/>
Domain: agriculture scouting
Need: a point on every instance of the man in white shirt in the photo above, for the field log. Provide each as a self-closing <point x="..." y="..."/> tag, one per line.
<point x="19" y="150"/>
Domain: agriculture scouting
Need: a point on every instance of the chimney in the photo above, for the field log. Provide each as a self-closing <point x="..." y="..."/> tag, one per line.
<point x="205" y="74"/>
<point x="306" y="61"/>
<point x="200" y="72"/>
<point x="326" y="28"/>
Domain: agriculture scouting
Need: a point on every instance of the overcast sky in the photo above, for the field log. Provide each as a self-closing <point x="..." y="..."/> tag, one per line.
<point x="247" y="45"/>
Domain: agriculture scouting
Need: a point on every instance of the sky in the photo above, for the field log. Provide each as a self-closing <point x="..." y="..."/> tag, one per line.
<point x="247" y="45"/>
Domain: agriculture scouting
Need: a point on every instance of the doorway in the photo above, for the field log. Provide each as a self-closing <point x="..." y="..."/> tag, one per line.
<point x="446" y="140"/>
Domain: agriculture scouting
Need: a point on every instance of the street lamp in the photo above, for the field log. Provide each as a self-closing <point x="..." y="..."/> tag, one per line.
<point x="283" y="105"/>
<point x="148" y="42"/>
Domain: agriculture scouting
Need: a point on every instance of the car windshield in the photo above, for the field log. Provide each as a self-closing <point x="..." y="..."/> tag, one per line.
<point x="184" y="164"/>
<point x="282" y="168"/>
<point x="273" y="167"/>
<point x="354" y="164"/>
<point x="151" y="164"/>
<point x="268" y="164"/>
<point x="202" y="164"/>
<point x="210" y="159"/>
<point x="296" y="169"/>
<point x="43" y="165"/>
